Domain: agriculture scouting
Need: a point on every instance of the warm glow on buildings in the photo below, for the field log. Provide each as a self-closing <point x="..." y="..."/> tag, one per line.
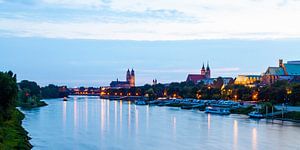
<point x="248" y="80"/>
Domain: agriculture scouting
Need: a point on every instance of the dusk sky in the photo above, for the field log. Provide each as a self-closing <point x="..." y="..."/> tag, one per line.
<point x="92" y="42"/>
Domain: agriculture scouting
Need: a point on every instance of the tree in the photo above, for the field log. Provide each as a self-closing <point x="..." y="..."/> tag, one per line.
<point x="295" y="95"/>
<point x="34" y="89"/>
<point x="8" y="93"/>
<point x="50" y="91"/>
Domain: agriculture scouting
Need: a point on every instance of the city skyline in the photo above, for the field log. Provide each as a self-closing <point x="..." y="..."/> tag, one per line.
<point x="98" y="62"/>
<point x="91" y="42"/>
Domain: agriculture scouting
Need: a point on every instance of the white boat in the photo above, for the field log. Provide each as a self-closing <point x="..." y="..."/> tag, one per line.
<point x="140" y="103"/>
<point x="256" y="114"/>
<point x="217" y="110"/>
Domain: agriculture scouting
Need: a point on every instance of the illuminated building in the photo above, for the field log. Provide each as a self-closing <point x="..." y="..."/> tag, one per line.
<point x="130" y="81"/>
<point x="247" y="80"/>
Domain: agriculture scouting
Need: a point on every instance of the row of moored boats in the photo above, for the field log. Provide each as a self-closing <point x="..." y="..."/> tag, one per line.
<point x="220" y="107"/>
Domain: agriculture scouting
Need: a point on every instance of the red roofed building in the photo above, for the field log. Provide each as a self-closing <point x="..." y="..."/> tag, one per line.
<point x="204" y="74"/>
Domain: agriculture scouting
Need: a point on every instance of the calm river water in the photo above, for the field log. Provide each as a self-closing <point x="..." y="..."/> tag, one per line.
<point x="92" y="123"/>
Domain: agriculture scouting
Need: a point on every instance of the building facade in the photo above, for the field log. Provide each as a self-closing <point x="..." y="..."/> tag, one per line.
<point x="289" y="71"/>
<point x="248" y="80"/>
<point x="130" y="81"/>
<point x="204" y="74"/>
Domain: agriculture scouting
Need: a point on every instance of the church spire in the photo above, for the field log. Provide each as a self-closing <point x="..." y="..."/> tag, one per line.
<point x="208" y="73"/>
<point x="203" y="70"/>
<point x="207" y="68"/>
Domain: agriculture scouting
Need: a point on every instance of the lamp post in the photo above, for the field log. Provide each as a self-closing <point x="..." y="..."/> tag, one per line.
<point x="209" y="91"/>
<point x="288" y="93"/>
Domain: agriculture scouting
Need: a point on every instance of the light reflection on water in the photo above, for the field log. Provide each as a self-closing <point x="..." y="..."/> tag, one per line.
<point x="92" y="123"/>
<point x="235" y="134"/>
<point x="254" y="138"/>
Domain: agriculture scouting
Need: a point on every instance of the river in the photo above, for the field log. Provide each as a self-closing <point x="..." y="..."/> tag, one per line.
<point x="93" y="123"/>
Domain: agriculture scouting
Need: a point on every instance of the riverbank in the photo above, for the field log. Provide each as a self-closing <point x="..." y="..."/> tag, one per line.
<point x="33" y="104"/>
<point x="12" y="134"/>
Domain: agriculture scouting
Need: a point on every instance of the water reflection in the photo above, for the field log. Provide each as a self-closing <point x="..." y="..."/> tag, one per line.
<point x="147" y="116"/>
<point x="174" y="125"/>
<point x="97" y="124"/>
<point x="208" y="121"/>
<point x="64" y="113"/>
<point x="102" y="116"/>
<point x="235" y="134"/>
<point x="116" y="113"/>
<point x="107" y="113"/>
<point x="86" y="112"/>
<point x="75" y="113"/>
<point x="121" y="115"/>
<point x="136" y="118"/>
<point x="129" y="116"/>
<point x="254" y="139"/>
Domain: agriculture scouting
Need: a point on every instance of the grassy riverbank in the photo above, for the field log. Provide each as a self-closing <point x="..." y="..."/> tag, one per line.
<point x="12" y="134"/>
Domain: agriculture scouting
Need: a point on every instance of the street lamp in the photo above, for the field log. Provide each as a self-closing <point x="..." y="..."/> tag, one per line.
<point x="235" y="97"/>
<point x="288" y="92"/>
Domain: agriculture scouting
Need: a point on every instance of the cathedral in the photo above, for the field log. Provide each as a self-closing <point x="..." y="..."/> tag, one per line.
<point x="130" y="81"/>
<point x="204" y="74"/>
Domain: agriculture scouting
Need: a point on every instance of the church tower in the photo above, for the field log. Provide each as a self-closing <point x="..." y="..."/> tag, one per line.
<point x="203" y="70"/>
<point x="132" y="79"/>
<point x="207" y="73"/>
<point x="128" y="76"/>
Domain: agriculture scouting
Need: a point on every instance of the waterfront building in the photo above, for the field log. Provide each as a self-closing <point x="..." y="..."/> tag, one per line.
<point x="204" y="74"/>
<point x="289" y="71"/>
<point x="248" y="80"/>
<point x="130" y="81"/>
<point x="85" y="91"/>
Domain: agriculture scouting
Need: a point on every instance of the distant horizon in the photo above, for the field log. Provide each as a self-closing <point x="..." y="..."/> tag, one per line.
<point x="98" y="62"/>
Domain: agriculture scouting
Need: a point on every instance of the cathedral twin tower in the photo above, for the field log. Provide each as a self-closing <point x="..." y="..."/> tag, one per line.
<point x="206" y="72"/>
<point x="130" y="77"/>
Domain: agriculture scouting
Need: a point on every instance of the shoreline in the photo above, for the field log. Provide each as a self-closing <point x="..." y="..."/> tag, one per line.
<point x="13" y="134"/>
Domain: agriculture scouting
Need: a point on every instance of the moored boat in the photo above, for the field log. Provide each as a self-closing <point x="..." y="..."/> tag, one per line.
<point x="256" y="114"/>
<point x="217" y="110"/>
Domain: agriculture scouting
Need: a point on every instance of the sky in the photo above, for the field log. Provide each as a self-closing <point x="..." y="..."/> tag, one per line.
<point x="92" y="42"/>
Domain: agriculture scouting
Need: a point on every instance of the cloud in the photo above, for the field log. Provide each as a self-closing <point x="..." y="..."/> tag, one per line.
<point x="75" y="3"/>
<point x="151" y="20"/>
